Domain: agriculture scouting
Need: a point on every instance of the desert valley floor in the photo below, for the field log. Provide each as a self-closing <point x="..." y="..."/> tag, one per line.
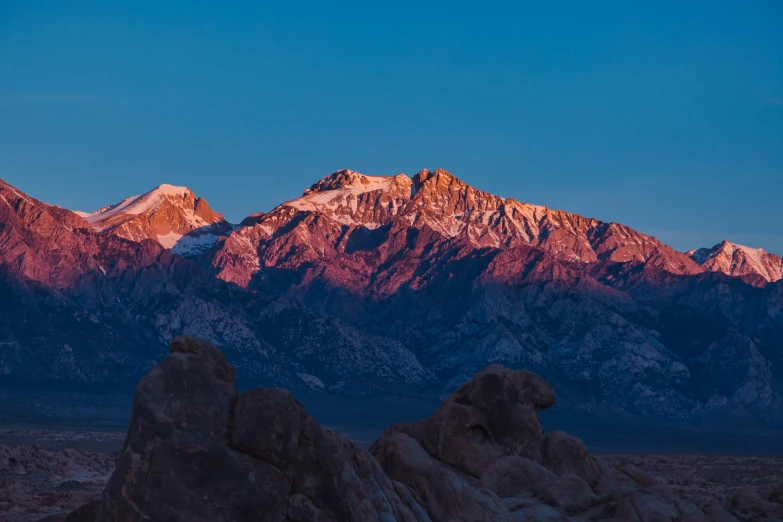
<point x="42" y="475"/>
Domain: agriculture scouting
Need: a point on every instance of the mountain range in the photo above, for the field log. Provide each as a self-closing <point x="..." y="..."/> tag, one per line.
<point x="390" y="285"/>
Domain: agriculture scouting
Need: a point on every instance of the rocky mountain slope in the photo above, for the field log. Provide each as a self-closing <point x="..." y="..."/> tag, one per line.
<point x="83" y="308"/>
<point x="35" y="482"/>
<point x="197" y="450"/>
<point x="348" y="212"/>
<point x="753" y="265"/>
<point x="399" y="285"/>
<point x="173" y="216"/>
<point x="464" y="277"/>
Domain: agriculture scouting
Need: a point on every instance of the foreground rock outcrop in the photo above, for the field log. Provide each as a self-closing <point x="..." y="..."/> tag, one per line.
<point x="198" y="451"/>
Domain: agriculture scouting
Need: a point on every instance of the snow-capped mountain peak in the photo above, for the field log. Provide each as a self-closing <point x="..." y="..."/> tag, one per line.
<point x="351" y="181"/>
<point x="106" y="217"/>
<point x="739" y="260"/>
<point x="351" y="198"/>
<point x="173" y="216"/>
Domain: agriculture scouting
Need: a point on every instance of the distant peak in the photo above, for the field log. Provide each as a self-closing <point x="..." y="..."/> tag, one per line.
<point x="170" y="190"/>
<point x="350" y="179"/>
<point x="734" y="246"/>
<point x="734" y="259"/>
<point x="422" y="175"/>
<point x="425" y="174"/>
<point x="438" y="177"/>
<point x="703" y="254"/>
<point x="344" y="179"/>
<point x="334" y="181"/>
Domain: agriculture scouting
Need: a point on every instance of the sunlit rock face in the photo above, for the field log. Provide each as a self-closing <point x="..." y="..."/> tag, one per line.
<point x="753" y="265"/>
<point x="348" y="212"/>
<point x="173" y="216"/>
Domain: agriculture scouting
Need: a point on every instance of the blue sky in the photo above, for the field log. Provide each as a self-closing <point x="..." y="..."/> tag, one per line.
<point x="666" y="116"/>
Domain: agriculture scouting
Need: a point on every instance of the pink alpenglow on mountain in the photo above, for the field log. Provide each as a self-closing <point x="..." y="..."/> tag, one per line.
<point x="741" y="261"/>
<point x="322" y="224"/>
<point x="173" y="216"/>
<point x="444" y="205"/>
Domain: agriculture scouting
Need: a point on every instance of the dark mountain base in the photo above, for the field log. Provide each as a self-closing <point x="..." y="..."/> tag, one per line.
<point x="35" y="413"/>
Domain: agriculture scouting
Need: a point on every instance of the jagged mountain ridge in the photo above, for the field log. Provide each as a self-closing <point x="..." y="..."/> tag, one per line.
<point x="183" y="222"/>
<point x="82" y="308"/>
<point x="449" y="208"/>
<point x="440" y="283"/>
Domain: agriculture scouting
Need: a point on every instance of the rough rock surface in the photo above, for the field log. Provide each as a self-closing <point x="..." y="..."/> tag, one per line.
<point x="173" y="216"/>
<point x="753" y="264"/>
<point x="713" y="480"/>
<point x="35" y="483"/>
<point x="196" y="451"/>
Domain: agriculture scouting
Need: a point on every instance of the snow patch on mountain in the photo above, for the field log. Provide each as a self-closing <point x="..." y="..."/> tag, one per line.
<point x="755" y="255"/>
<point x="332" y="197"/>
<point x="104" y="218"/>
<point x="193" y="243"/>
<point x="312" y="381"/>
<point x="739" y="260"/>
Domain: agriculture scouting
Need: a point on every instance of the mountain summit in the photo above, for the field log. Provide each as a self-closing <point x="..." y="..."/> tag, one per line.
<point x="173" y="216"/>
<point x="736" y="260"/>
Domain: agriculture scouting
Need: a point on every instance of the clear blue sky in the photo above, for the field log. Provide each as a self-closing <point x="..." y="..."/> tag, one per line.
<point x="666" y="116"/>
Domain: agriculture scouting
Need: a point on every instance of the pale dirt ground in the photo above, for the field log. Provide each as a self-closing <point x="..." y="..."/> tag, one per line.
<point x="704" y="478"/>
<point x="36" y="482"/>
